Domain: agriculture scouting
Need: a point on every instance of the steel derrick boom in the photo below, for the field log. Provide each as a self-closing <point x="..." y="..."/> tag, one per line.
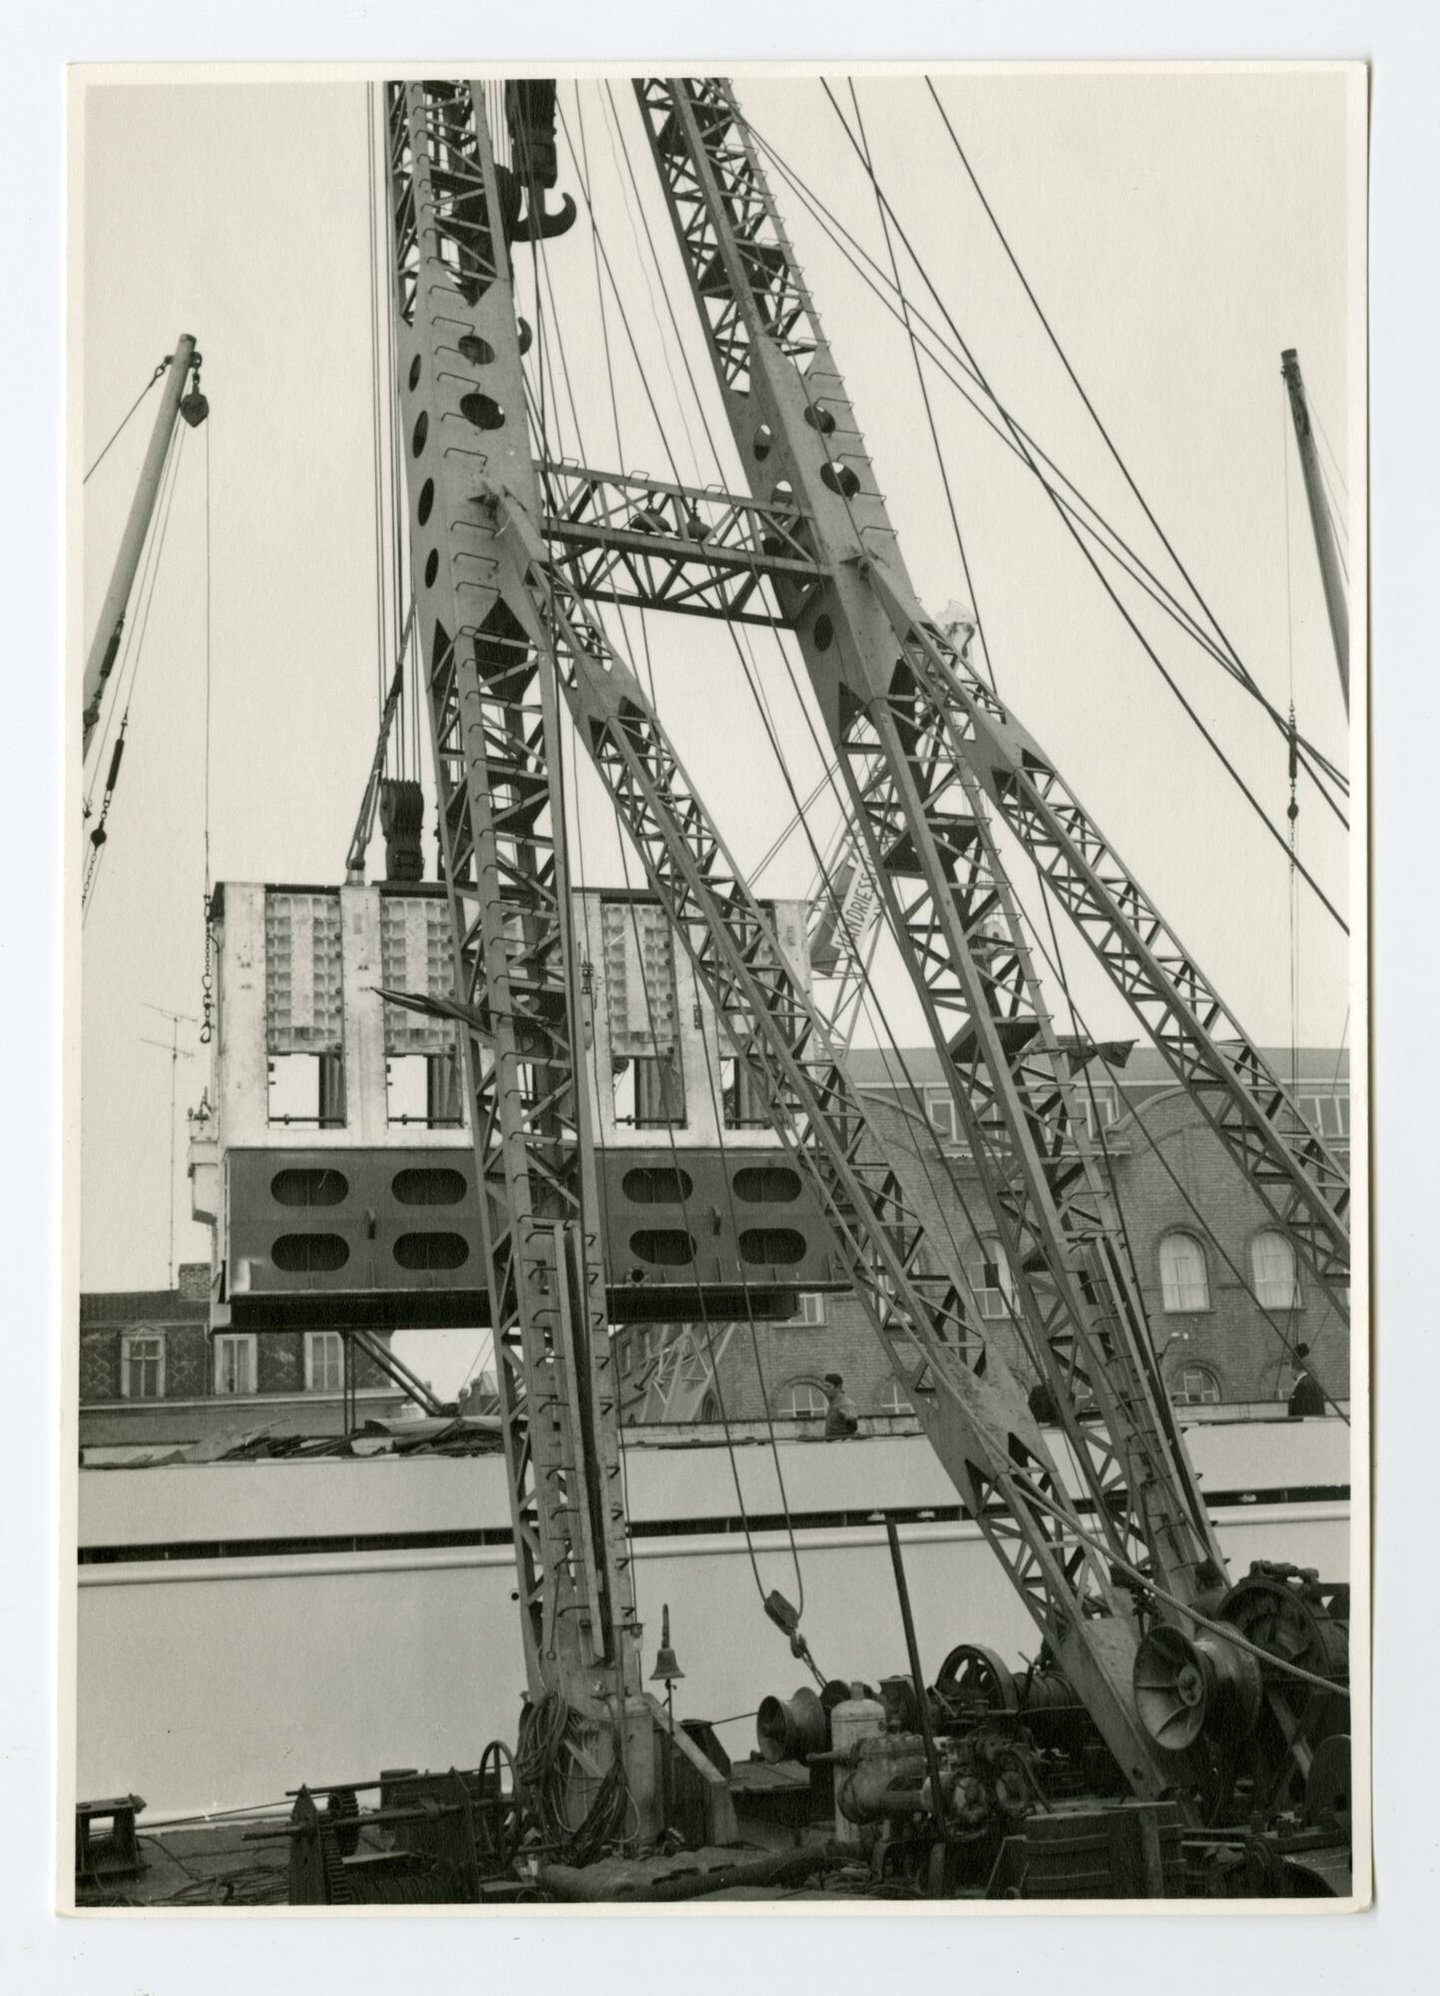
<point x="930" y="846"/>
<point x="508" y="553"/>
<point x="493" y="718"/>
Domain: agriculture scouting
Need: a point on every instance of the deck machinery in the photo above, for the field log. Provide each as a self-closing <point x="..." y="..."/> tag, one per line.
<point x="1206" y="1704"/>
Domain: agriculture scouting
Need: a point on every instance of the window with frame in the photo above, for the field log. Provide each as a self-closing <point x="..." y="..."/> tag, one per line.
<point x="649" y="1091"/>
<point x="235" y="1362"/>
<point x="1196" y="1386"/>
<point x="1272" y="1266"/>
<point x="942" y="1114"/>
<point x="307" y="1089"/>
<point x="894" y="1399"/>
<point x="424" y="1089"/>
<point x="802" y="1400"/>
<point x="991" y="1280"/>
<point x="324" y="1362"/>
<point x="142" y="1365"/>
<point x="1328" y="1113"/>
<point x="1099" y="1106"/>
<point x="811" y="1314"/>
<point x="1184" y="1283"/>
<point x="742" y="1095"/>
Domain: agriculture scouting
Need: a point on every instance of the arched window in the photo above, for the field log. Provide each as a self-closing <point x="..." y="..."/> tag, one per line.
<point x="894" y="1399"/>
<point x="1196" y="1386"/>
<point x="1272" y="1264"/>
<point x="1184" y="1284"/>
<point x="710" y="1405"/>
<point x="802" y="1400"/>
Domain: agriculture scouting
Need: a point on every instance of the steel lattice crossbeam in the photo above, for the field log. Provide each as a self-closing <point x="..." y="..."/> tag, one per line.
<point x="693" y="549"/>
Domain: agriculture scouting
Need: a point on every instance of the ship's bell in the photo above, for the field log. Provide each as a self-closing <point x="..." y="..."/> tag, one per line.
<point x="667" y="1669"/>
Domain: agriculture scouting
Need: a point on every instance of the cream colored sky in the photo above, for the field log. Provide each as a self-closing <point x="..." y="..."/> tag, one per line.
<point x="1179" y="229"/>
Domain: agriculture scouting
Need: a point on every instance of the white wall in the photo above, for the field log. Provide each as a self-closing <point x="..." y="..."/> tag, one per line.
<point x="221" y="1683"/>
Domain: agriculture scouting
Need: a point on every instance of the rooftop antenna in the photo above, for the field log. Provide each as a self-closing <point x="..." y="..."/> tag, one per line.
<point x="177" y="1054"/>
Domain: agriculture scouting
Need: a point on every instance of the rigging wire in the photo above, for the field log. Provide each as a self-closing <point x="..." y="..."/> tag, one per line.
<point x="207" y="666"/>
<point x="1336" y="517"/>
<point x="759" y="701"/>
<point x="584" y="166"/>
<point x="402" y="597"/>
<point x="1022" y="1333"/>
<point x="114" y="434"/>
<point x="717" y="1113"/>
<point x="890" y="922"/>
<point x="629" y="207"/>
<point x="620" y="303"/>
<point x="1324" y="435"/>
<point x="207" y="975"/>
<point x="924" y="395"/>
<point x="1121" y="552"/>
<point x="1259" y="810"/>
<point x="1292" y="884"/>
<point x="834" y="899"/>
<point x="793" y="823"/>
<point x="670" y="1134"/>
<point x="665" y="293"/>
<point x="375" y="396"/>
<point x="1056" y="965"/>
<point x="768" y="721"/>
<point x="670" y="1130"/>
<point x="871" y="1006"/>
<point x="1090" y="408"/>
<point x="708" y="1329"/>
<point x="752" y="680"/>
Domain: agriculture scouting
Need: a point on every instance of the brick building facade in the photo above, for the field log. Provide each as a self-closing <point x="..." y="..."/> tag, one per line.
<point x="150" y="1371"/>
<point x="1226" y="1301"/>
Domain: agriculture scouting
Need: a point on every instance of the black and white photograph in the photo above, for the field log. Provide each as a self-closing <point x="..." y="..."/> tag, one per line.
<point x="718" y="1252"/>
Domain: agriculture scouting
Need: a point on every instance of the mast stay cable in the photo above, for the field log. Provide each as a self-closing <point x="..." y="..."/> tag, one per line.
<point x="1261" y="814"/>
<point x="1098" y="527"/>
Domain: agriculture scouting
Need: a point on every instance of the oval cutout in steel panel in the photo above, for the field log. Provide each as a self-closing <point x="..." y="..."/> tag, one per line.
<point x="657" y="1185"/>
<point x="432" y="1251"/>
<point x="664" y="1247"/>
<point x="777" y="1245"/>
<point x="310" y="1254"/>
<point x="767" y="1184"/>
<point x="429" y="1185"/>
<point x="317" y="1185"/>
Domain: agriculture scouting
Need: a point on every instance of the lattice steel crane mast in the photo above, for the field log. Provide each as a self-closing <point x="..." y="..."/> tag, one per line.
<point x="493" y="716"/>
<point x="505" y="554"/>
<point x="879" y="677"/>
<point x="865" y="638"/>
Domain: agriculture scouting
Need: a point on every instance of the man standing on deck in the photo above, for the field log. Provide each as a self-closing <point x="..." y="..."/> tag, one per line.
<point x="1307" y="1399"/>
<point x="841" y="1419"/>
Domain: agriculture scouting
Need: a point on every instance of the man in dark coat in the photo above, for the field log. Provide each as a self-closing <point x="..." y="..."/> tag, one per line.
<point x="1306" y="1398"/>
